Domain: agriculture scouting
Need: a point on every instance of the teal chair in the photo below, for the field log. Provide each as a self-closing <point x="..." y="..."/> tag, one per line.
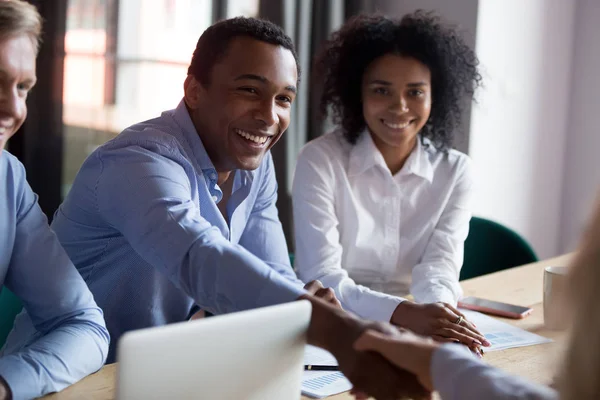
<point x="492" y="247"/>
<point x="10" y="306"/>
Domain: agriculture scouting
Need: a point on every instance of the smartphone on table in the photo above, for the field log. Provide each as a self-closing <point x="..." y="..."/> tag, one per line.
<point x="494" y="307"/>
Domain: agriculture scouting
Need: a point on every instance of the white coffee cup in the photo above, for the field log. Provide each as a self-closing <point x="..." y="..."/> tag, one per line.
<point x="554" y="302"/>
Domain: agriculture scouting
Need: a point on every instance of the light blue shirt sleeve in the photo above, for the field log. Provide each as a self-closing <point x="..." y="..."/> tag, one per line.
<point x="71" y="339"/>
<point x="458" y="375"/>
<point x="144" y="193"/>
<point x="264" y="235"/>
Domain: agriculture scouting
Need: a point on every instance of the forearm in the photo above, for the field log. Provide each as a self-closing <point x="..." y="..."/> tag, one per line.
<point x="56" y="360"/>
<point x="456" y="374"/>
<point x="361" y="300"/>
<point x="435" y="282"/>
<point x="325" y="321"/>
<point x="223" y="277"/>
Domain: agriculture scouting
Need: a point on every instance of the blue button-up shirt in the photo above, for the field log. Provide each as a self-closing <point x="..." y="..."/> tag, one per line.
<point x="61" y="337"/>
<point x="142" y="226"/>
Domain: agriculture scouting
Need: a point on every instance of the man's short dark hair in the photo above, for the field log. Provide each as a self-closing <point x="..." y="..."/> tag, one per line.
<point x="214" y="42"/>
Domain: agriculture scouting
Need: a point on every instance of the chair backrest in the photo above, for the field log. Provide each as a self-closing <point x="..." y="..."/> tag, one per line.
<point x="10" y="306"/>
<point x="492" y="247"/>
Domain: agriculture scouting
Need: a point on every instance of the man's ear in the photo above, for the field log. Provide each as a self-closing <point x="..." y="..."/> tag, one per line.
<point x="192" y="91"/>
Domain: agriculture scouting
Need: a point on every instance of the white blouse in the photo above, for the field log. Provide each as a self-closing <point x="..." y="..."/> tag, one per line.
<point x="373" y="236"/>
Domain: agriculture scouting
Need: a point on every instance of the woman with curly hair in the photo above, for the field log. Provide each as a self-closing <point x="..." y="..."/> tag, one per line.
<point x="382" y="203"/>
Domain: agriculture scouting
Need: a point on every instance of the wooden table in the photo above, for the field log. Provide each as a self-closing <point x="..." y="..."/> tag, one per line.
<point x="521" y="285"/>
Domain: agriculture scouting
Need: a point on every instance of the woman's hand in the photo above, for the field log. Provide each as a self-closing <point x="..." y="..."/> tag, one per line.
<point x="441" y="321"/>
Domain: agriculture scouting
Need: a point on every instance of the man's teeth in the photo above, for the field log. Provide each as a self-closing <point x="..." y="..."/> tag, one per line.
<point x="255" y="139"/>
<point x="396" y="126"/>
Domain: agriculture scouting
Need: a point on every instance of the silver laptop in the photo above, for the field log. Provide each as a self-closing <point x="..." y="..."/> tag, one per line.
<point x="255" y="355"/>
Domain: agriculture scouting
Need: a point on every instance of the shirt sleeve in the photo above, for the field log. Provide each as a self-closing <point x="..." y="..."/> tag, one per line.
<point x="145" y="194"/>
<point x="435" y="278"/>
<point x="318" y="247"/>
<point x="458" y="375"/>
<point x="71" y="340"/>
<point x="263" y="235"/>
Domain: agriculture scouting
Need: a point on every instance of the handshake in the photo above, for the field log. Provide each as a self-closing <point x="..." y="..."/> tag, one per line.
<point x="387" y="360"/>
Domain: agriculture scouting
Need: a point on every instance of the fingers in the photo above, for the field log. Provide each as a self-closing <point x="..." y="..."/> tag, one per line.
<point x="328" y="295"/>
<point x="313" y="286"/>
<point x="369" y="340"/>
<point x="384" y="328"/>
<point x="477" y="351"/>
<point x="379" y="379"/>
<point x="358" y="395"/>
<point x="460" y="333"/>
<point x="465" y="322"/>
<point x="465" y="328"/>
<point x="474" y="348"/>
<point x="443" y="339"/>
<point x="317" y="289"/>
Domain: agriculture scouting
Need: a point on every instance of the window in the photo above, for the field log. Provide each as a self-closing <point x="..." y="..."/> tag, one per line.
<point x="125" y="62"/>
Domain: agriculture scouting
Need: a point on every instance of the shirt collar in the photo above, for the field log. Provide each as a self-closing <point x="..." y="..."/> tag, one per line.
<point x="418" y="162"/>
<point x="183" y="119"/>
<point x="365" y="155"/>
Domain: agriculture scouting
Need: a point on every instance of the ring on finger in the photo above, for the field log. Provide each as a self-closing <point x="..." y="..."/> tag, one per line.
<point x="459" y="320"/>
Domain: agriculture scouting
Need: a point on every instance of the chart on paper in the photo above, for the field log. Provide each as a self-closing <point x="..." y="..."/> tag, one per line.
<point x="319" y="384"/>
<point x="502" y="335"/>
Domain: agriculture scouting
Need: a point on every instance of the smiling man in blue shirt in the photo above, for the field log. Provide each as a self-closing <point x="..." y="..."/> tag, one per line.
<point x="179" y="211"/>
<point x="61" y="337"/>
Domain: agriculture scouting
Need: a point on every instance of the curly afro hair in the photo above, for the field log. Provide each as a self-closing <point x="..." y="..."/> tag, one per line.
<point x="421" y="35"/>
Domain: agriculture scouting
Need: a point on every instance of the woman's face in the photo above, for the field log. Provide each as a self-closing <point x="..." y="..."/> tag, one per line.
<point x="396" y="96"/>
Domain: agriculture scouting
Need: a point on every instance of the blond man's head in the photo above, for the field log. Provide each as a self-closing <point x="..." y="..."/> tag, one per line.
<point x="20" y="18"/>
<point x="20" y="30"/>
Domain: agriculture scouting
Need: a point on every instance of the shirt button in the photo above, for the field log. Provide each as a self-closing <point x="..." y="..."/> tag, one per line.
<point x="213" y="176"/>
<point x="215" y="198"/>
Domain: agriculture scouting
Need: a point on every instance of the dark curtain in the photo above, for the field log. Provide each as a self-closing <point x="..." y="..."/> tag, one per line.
<point x="39" y="142"/>
<point x="309" y="23"/>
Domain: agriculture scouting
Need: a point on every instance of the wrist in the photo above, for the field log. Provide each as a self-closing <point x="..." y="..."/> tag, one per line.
<point x="329" y="324"/>
<point x="421" y="357"/>
<point x="5" y="392"/>
<point x="402" y="313"/>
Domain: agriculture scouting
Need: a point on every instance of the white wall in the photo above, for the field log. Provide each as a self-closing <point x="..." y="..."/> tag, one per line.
<point x="582" y="155"/>
<point x="517" y="138"/>
<point x="535" y="133"/>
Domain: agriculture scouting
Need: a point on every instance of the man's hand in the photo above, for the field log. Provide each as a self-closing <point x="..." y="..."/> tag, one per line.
<point x="5" y="392"/>
<point x="407" y="351"/>
<point x="372" y="375"/>
<point x="316" y="289"/>
<point x="439" y="321"/>
<point x="336" y="331"/>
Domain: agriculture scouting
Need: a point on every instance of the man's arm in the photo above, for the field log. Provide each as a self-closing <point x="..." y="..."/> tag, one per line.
<point x="71" y="340"/>
<point x="264" y="235"/>
<point x="146" y="193"/>
<point x="456" y="374"/>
